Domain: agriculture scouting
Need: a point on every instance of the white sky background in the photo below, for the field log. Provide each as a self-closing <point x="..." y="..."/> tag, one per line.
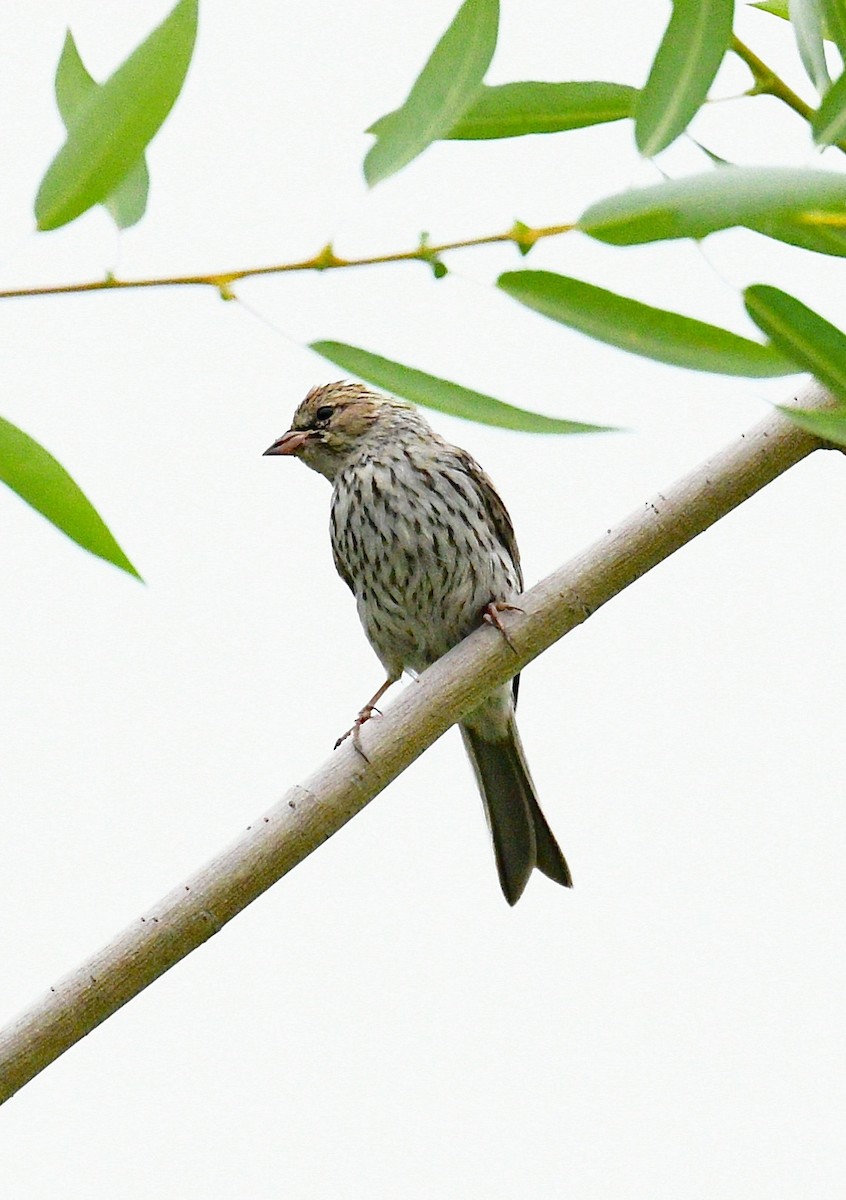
<point x="380" y="1024"/>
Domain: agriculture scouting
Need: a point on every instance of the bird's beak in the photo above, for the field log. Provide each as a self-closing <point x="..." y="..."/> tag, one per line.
<point x="289" y="443"/>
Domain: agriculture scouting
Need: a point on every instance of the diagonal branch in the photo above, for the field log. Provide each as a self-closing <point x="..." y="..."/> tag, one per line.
<point x="311" y="812"/>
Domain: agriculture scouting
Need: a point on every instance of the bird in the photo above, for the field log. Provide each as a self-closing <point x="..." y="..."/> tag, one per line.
<point x="426" y="545"/>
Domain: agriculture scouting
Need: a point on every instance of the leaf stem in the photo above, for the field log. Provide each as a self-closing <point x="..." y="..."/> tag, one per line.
<point x="768" y="83"/>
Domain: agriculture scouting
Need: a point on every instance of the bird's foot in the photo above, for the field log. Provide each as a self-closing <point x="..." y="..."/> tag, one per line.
<point x="354" y="730"/>
<point x="491" y="617"/>
<point x="365" y="714"/>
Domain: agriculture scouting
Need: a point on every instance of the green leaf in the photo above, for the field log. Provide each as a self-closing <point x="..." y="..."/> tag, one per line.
<point x="806" y="19"/>
<point x="822" y="239"/>
<point x="113" y="126"/>
<point x="73" y="84"/>
<point x="517" y="109"/>
<point x="834" y="23"/>
<point x="443" y="91"/>
<point x="829" y="121"/>
<point x="830" y="425"/>
<point x="702" y="204"/>
<point x="28" y="469"/>
<point x="778" y="8"/>
<point x="716" y="159"/>
<point x="804" y="335"/>
<point x="834" y="18"/>
<point x="641" y="329"/>
<point x="688" y="58"/>
<point x="128" y="202"/>
<point x="441" y="395"/>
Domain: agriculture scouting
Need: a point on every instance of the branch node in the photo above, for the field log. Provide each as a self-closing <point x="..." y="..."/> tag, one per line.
<point x="223" y="283"/>
<point x="327" y="259"/>
<point x="523" y="236"/>
<point x="427" y="255"/>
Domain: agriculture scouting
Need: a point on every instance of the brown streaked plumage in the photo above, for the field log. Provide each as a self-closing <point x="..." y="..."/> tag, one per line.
<point x="422" y="539"/>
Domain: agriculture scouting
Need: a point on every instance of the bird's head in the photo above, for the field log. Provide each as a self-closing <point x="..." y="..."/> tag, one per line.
<point x="331" y="424"/>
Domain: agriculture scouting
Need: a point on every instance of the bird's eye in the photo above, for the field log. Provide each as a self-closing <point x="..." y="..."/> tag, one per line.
<point x="324" y="412"/>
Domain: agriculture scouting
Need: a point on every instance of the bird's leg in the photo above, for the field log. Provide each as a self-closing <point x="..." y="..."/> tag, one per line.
<point x="364" y="715"/>
<point x="490" y="616"/>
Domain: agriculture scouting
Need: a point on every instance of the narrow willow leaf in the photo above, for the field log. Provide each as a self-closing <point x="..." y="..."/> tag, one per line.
<point x="641" y="329"/>
<point x="828" y="425"/>
<point x="806" y="19"/>
<point x="441" y="395"/>
<point x="443" y="91"/>
<point x="112" y="127"/>
<point x="688" y="58"/>
<point x="702" y="204"/>
<point x="778" y="8"/>
<point x="716" y="159"/>
<point x="821" y="239"/>
<point x="517" y="109"/>
<point x="834" y="23"/>
<point x="28" y="469"/>
<point x="834" y="18"/>
<point x="814" y="343"/>
<point x="829" y="121"/>
<point x="74" y="85"/>
<point x="796" y="231"/>
<point x="128" y="202"/>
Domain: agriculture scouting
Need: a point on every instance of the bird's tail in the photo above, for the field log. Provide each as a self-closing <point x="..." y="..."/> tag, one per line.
<point x="521" y="836"/>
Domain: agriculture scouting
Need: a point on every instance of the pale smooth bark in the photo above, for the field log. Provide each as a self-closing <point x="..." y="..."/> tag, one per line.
<point x="312" y="811"/>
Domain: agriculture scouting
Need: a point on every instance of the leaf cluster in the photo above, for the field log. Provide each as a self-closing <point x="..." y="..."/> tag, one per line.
<point x="109" y="126"/>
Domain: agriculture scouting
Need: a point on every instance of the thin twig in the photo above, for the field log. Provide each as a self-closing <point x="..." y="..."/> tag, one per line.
<point x="768" y="83"/>
<point x="520" y="235"/>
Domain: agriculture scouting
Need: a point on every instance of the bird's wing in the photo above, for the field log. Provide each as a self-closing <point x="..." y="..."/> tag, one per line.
<point x="340" y="567"/>
<point x="335" y="539"/>
<point x="494" y="508"/>
<point x="500" y="520"/>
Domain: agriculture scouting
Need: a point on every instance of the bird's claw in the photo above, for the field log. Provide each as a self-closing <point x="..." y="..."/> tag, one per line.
<point x="354" y="730"/>
<point x="491" y="617"/>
